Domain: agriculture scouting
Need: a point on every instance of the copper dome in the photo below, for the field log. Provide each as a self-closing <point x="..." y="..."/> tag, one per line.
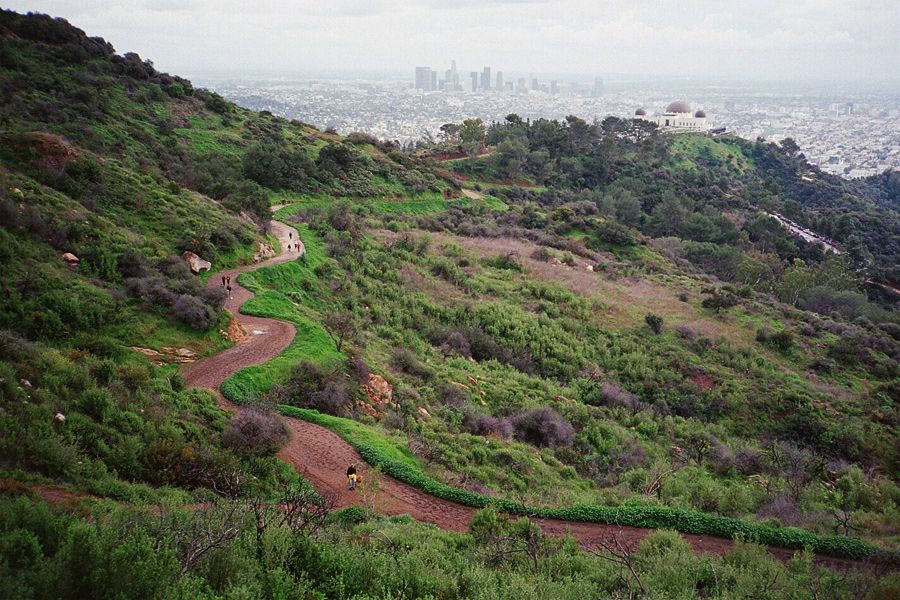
<point x="679" y="107"/>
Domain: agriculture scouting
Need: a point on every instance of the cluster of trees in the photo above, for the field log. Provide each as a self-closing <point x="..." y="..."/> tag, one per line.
<point x="624" y="167"/>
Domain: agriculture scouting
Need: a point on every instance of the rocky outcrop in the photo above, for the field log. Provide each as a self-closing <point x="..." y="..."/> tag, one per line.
<point x="379" y="395"/>
<point x="196" y="263"/>
<point x="70" y="259"/>
<point x="167" y="355"/>
<point x="265" y="251"/>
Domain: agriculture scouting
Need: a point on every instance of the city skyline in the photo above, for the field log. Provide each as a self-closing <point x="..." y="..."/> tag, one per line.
<point x="828" y="40"/>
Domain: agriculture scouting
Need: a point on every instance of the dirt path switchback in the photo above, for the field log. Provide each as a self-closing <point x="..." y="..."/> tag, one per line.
<point x="322" y="456"/>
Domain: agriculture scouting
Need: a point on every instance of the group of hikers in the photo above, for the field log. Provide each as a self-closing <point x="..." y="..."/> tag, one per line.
<point x="292" y="245"/>
<point x="226" y="283"/>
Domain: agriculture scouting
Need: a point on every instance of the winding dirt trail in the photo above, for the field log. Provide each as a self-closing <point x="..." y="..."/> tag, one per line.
<point x="322" y="456"/>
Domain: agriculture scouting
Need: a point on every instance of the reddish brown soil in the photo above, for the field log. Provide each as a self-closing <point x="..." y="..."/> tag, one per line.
<point x="322" y="457"/>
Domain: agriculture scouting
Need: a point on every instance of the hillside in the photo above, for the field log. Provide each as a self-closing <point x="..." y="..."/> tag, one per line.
<point x="583" y="323"/>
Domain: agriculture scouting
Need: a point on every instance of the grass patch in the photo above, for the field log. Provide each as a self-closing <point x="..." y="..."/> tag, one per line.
<point x="295" y="305"/>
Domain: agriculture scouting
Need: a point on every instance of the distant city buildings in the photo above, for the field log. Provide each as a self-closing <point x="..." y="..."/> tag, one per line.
<point x="851" y="133"/>
<point x="426" y="80"/>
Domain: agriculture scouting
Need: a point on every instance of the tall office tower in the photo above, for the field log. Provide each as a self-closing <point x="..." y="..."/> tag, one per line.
<point x="426" y="79"/>
<point x="423" y="78"/>
<point x="500" y="80"/>
<point x="598" y="87"/>
<point x="486" y="78"/>
<point x="451" y="77"/>
<point x="553" y="88"/>
<point x="520" y="87"/>
<point x="534" y="84"/>
<point x="474" y="76"/>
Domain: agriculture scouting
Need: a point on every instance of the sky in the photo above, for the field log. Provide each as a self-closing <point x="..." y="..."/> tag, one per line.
<point x="820" y="40"/>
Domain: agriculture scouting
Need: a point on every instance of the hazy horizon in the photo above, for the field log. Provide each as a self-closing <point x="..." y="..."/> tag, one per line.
<point x="824" y="41"/>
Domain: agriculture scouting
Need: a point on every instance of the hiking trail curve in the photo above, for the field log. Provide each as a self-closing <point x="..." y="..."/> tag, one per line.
<point x="322" y="457"/>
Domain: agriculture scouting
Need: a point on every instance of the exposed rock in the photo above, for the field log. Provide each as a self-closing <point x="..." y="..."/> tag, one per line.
<point x="378" y="390"/>
<point x="168" y="355"/>
<point x="196" y="263"/>
<point x="265" y="251"/>
<point x="379" y="394"/>
<point x="590" y="268"/>
<point x="423" y="412"/>
<point x="17" y="192"/>
<point x="145" y="351"/>
<point x="472" y="380"/>
<point x="59" y="417"/>
<point x="234" y="331"/>
<point x="368" y="409"/>
<point x="71" y="259"/>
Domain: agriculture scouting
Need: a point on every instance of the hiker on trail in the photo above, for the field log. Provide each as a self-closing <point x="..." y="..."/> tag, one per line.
<point x="229" y="291"/>
<point x="223" y="281"/>
<point x="298" y="246"/>
<point x="290" y="235"/>
<point x="352" y="477"/>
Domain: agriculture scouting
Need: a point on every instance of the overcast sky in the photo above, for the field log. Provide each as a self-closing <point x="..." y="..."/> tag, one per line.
<point x="837" y="40"/>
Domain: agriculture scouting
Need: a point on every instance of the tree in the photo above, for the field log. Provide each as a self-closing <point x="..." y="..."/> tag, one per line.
<point x="471" y="135"/>
<point x="449" y="132"/>
<point x="760" y="270"/>
<point x="797" y="279"/>
<point x="341" y="326"/>
<point x="789" y="146"/>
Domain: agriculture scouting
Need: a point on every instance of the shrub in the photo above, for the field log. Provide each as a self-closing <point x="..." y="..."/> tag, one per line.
<point x="542" y="254"/>
<point x="255" y="431"/>
<point x="654" y="322"/>
<point x="323" y="388"/>
<point x="685" y="332"/>
<point x="718" y="300"/>
<point x="454" y="342"/>
<point x="452" y="395"/>
<point x="358" y="369"/>
<point x="405" y="360"/>
<point x="481" y="424"/>
<point x="543" y="426"/>
<point x="780" y="340"/>
<point x="614" y="394"/>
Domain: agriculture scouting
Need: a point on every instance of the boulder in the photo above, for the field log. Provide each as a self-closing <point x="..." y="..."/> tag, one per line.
<point x="196" y="263"/>
<point x="71" y="259"/>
